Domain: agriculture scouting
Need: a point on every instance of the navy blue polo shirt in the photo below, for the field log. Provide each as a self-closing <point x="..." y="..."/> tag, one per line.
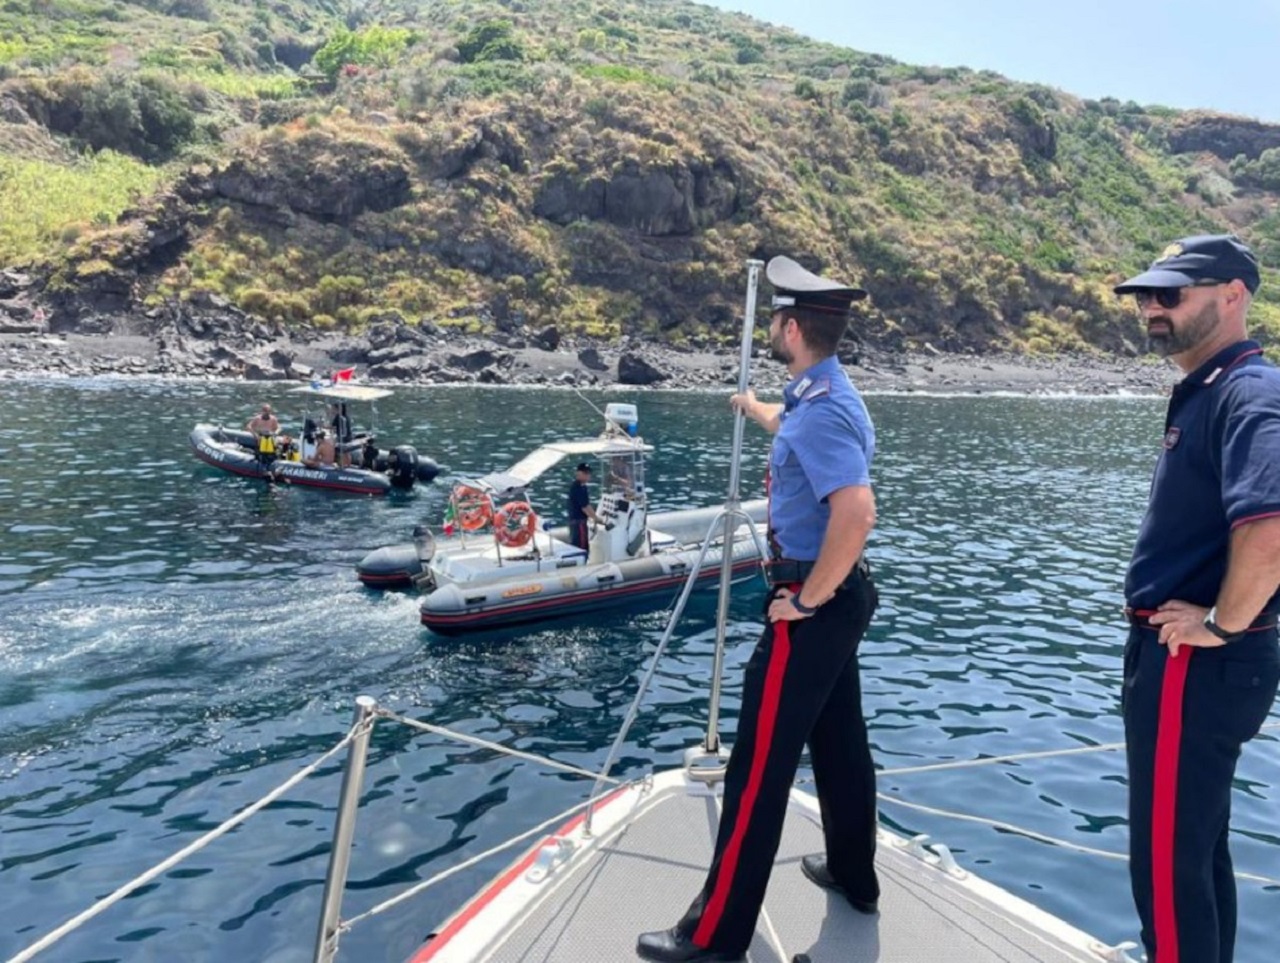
<point x="579" y="499"/>
<point x="825" y="442"/>
<point x="1220" y="468"/>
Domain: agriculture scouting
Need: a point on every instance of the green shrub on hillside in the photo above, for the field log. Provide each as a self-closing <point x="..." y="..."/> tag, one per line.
<point x="146" y="116"/>
<point x="1264" y="172"/>
<point x="373" y="46"/>
<point x="491" y="40"/>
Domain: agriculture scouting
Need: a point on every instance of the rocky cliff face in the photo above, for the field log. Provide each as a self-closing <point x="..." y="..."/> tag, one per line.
<point x="679" y="199"/>
<point x="313" y="175"/>
<point x="1225" y="137"/>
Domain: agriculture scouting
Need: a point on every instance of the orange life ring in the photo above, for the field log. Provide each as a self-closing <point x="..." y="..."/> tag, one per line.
<point x="515" y="524"/>
<point x="473" y="506"/>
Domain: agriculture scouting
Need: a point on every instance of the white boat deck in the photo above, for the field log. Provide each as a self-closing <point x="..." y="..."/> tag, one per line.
<point x="642" y="870"/>
<point x="479" y="561"/>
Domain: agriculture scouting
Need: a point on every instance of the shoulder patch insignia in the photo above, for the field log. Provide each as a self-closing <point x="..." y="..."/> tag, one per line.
<point x="1171" y="438"/>
<point x="802" y="386"/>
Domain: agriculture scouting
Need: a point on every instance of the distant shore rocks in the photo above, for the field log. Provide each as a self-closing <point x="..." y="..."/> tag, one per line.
<point x="209" y="338"/>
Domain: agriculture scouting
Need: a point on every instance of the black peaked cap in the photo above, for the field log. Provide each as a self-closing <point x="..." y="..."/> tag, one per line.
<point x="806" y="289"/>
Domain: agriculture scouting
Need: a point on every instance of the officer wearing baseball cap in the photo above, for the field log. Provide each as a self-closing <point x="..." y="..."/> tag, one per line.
<point x="1202" y="663"/>
<point x="801" y="684"/>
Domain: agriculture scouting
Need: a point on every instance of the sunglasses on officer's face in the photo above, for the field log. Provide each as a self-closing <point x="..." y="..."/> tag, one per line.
<point x="1170" y="298"/>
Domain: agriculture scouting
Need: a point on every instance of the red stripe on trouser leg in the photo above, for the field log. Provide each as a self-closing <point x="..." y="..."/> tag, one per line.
<point x="767" y="719"/>
<point x="1164" y="806"/>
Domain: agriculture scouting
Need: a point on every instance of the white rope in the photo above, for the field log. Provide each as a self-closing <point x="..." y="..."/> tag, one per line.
<point x="1007" y="827"/>
<point x="993" y="760"/>
<point x="1015" y="757"/>
<point x="106" y="902"/>
<point x="494" y="746"/>
<point x="346" y="925"/>
<point x="1040" y="837"/>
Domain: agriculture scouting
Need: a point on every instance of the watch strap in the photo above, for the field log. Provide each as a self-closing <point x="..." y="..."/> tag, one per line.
<point x="805" y="610"/>
<point x="1211" y="623"/>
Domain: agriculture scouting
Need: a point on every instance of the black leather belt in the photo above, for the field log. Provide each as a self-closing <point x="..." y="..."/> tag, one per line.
<point x="788" y="571"/>
<point x="1142" y="619"/>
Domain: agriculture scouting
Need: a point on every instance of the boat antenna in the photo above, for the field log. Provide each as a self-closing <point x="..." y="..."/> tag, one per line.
<point x="733" y="505"/>
<point x="578" y="391"/>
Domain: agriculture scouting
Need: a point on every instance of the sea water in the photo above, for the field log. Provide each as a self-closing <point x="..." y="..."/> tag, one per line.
<point x="175" y="642"/>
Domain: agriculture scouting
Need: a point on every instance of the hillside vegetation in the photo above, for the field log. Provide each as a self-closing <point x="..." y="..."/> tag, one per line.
<point x="603" y="166"/>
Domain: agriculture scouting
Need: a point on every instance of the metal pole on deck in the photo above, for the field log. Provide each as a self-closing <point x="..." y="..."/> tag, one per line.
<point x="343" y="831"/>
<point x="732" y="508"/>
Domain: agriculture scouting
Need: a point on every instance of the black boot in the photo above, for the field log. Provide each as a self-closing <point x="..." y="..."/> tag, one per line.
<point x="672" y="946"/>
<point x="815" y="867"/>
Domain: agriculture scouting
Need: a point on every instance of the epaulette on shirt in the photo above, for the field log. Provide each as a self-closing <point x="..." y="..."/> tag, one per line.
<point x="808" y="391"/>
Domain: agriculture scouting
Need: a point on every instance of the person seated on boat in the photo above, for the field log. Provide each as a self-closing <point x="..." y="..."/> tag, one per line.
<point x="326" y="454"/>
<point x="580" y="509"/>
<point x="264" y="426"/>
<point x="369" y="453"/>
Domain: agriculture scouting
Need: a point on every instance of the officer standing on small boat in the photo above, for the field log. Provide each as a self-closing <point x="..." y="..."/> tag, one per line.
<point x="1202" y="663"/>
<point x="801" y="684"/>
<point x="579" y="504"/>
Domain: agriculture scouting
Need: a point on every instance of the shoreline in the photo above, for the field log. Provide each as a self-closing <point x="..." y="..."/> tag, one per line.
<point x="570" y="363"/>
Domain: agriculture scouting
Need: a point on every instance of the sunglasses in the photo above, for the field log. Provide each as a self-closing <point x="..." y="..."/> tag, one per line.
<point x="1170" y="298"/>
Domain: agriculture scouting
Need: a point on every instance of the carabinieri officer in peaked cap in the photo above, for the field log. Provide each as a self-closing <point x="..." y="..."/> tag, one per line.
<point x="1202" y="663"/>
<point x="801" y="684"/>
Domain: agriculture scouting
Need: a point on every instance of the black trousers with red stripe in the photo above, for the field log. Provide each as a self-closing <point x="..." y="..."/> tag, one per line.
<point x="800" y="686"/>
<point x="1185" y="721"/>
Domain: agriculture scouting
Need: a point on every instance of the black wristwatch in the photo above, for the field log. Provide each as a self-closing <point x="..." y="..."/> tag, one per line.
<point x="805" y="610"/>
<point x="1210" y="623"/>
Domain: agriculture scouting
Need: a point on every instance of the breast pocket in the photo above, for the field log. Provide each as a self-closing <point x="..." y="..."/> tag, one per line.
<point x="786" y="477"/>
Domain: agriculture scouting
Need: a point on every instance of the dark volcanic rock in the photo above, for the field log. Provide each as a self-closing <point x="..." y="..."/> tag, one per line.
<point x="590" y="358"/>
<point x="11" y="282"/>
<point x="392" y="354"/>
<point x="564" y="198"/>
<point x="1223" y="136"/>
<point x="657" y="202"/>
<point x="318" y="175"/>
<point x="635" y="370"/>
<point x="406" y="369"/>
<point x="548" y="339"/>
<point x="479" y="359"/>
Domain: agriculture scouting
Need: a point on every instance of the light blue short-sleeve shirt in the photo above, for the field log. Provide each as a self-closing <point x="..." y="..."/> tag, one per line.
<point x="825" y="442"/>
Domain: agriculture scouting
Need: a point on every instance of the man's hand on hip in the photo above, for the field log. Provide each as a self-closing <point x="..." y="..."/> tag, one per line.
<point x="1182" y="623"/>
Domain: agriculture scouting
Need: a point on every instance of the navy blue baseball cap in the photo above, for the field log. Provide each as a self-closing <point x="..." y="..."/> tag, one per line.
<point x="1204" y="257"/>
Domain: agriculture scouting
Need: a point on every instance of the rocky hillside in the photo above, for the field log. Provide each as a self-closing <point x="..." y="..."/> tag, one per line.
<point x="603" y="167"/>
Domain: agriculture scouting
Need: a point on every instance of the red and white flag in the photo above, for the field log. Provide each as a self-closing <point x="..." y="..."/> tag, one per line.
<point x="343" y="375"/>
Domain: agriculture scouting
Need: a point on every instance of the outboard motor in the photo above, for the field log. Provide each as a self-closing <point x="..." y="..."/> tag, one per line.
<point x="403" y="466"/>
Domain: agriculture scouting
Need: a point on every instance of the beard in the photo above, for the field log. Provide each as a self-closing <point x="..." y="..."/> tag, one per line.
<point x="1185" y="335"/>
<point x="778" y="351"/>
